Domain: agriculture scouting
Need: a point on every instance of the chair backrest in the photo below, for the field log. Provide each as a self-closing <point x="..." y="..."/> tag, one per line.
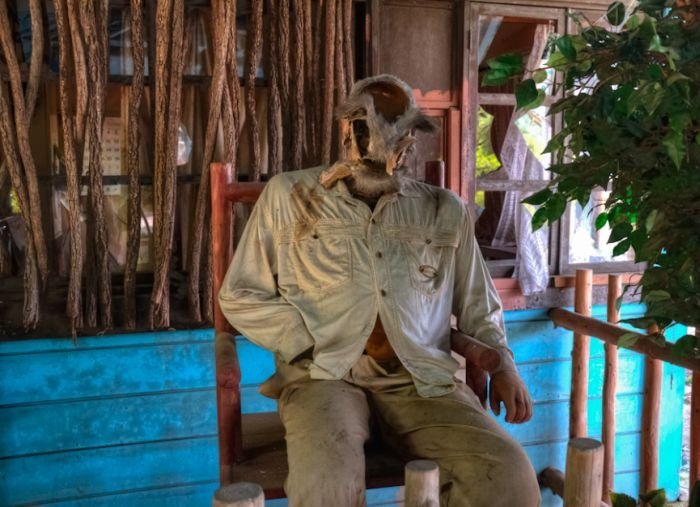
<point x="224" y="193"/>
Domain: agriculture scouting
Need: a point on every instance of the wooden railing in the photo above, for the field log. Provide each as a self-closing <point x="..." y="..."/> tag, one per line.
<point x="656" y="353"/>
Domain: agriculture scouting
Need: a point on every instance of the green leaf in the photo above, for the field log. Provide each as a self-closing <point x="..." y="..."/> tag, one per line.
<point x="540" y="76"/>
<point x="684" y="347"/>
<point x="651" y="220"/>
<point x="627" y="340"/>
<point x="566" y="46"/>
<point x="539" y="218"/>
<point x="679" y="121"/>
<point x="555" y="207"/>
<point x="495" y="77"/>
<point x="601" y="220"/>
<point x="510" y="62"/>
<point x="622" y="500"/>
<point x="655" y="498"/>
<point x="619" y="232"/>
<point x="616" y="13"/>
<point x="621" y="247"/>
<point x="656" y="295"/>
<point x="697" y="139"/>
<point x="538" y="198"/>
<point x="633" y="22"/>
<point x="675" y="147"/>
<point x="526" y="93"/>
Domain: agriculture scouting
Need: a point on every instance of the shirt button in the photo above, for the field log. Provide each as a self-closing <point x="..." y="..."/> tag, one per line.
<point x="382" y="292"/>
<point x="428" y="241"/>
<point x="379" y="255"/>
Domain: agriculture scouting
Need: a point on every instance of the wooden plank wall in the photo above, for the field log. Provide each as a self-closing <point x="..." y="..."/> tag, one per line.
<point x="130" y="419"/>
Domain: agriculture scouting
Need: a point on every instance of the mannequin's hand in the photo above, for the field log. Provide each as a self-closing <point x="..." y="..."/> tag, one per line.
<point x="508" y="387"/>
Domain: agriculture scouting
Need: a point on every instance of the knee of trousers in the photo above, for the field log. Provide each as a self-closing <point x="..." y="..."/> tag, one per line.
<point x="326" y="471"/>
<point x="509" y="481"/>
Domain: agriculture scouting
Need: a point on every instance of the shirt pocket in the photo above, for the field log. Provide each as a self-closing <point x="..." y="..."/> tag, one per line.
<point x="428" y="260"/>
<point x="316" y="263"/>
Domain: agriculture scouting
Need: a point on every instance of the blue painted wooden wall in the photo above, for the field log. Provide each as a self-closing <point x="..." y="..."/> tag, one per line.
<point x="130" y="419"/>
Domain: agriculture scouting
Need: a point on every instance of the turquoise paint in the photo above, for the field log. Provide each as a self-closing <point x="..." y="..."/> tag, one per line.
<point x="130" y="419"/>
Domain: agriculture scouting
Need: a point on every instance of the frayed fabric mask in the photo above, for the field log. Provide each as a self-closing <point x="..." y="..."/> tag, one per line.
<point x="381" y="118"/>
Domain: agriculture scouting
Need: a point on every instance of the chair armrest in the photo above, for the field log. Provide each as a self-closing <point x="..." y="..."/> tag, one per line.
<point x="228" y="370"/>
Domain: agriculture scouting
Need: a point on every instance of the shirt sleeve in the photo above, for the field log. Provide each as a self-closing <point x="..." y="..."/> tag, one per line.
<point x="249" y="296"/>
<point x="476" y="303"/>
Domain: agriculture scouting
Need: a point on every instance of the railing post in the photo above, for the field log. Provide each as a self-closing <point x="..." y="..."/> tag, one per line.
<point x="578" y="409"/>
<point x="609" y="389"/>
<point x="649" y="467"/>
<point x="583" y="482"/>
<point x="422" y="484"/>
<point x="239" y="494"/>
<point x="695" y="426"/>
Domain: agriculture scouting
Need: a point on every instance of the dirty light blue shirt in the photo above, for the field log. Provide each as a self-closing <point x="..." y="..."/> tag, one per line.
<point x="315" y="266"/>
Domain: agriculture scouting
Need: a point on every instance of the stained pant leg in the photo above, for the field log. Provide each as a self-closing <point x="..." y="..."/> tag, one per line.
<point x="480" y="464"/>
<point x="326" y="426"/>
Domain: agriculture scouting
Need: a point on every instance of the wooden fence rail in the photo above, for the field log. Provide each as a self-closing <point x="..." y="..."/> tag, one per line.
<point x="656" y="353"/>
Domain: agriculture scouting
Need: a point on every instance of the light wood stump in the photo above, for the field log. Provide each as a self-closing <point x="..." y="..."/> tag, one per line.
<point x="422" y="484"/>
<point x="583" y="483"/>
<point x="239" y="494"/>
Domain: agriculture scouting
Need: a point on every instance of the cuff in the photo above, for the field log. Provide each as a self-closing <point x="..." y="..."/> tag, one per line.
<point x="295" y="341"/>
<point x="507" y="361"/>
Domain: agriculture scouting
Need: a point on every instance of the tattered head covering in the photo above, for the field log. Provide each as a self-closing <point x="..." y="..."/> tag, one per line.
<point x="382" y="117"/>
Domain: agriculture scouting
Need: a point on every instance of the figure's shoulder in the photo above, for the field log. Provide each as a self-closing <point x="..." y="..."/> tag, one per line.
<point x="281" y="184"/>
<point x="443" y="199"/>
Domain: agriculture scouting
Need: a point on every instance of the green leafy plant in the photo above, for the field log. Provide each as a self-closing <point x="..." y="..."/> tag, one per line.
<point x="631" y="124"/>
<point x="655" y="498"/>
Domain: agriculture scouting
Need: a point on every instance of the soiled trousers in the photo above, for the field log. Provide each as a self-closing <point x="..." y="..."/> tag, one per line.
<point x="327" y="423"/>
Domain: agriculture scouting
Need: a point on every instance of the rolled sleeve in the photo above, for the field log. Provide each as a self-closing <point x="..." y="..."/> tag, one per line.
<point x="249" y="296"/>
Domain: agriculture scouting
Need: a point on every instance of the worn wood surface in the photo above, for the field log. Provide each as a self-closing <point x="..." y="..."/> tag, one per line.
<point x="133" y="241"/>
<point x="223" y="14"/>
<point x="611" y="334"/>
<point x="649" y="467"/>
<point x="329" y="81"/>
<point x="298" y="132"/>
<point x="695" y="428"/>
<point x="253" y="53"/>
<point x="51" y="387"/>
<point x="422" y="479"/>
<point x="583" y="480"/>
<point x="609" y="390"/>
<point x="578" y="426"/>
<point x="240" y="494"/>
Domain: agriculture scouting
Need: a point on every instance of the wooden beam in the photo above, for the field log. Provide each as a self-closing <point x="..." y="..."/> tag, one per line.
<point x="569" y="281"/>
<point x="578" y="408"/>
<point x="611" y="334"/>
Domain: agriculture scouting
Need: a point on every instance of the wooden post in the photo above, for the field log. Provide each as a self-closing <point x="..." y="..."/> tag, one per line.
<point x="240" y="494"/>
<point x="649" y="468"/>
<point x="609" y="389"/>
<point x="583" y="483"/>
<point x="578" y="410"/>
<point x="695" y="428"/>
<point x="435" y="173"/>
<point x="422" y="484"/>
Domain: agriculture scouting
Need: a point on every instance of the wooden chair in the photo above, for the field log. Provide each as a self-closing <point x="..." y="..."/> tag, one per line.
<point x="251" y="446"/>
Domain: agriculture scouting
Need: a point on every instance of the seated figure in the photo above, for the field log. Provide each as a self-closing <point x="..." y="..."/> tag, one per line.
<point x="351" y="274"/>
